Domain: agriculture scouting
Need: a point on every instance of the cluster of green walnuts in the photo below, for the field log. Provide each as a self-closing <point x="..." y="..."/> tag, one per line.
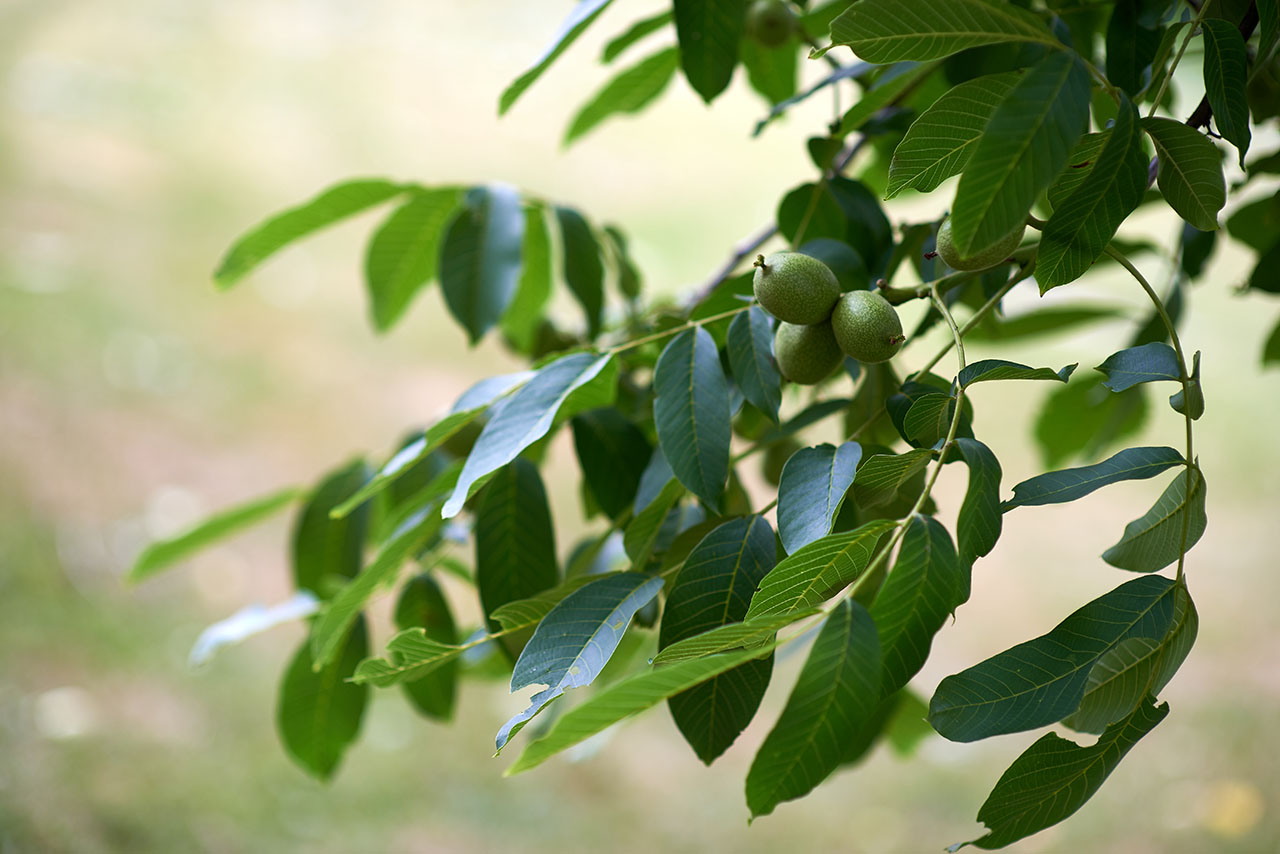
<point x="819" y="326"/>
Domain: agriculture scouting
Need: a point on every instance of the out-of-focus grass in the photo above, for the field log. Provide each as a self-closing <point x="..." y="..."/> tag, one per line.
<point x="137" y="138"/>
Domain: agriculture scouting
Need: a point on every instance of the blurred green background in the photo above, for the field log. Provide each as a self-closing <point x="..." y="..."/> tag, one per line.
<point x="138" y="137"/>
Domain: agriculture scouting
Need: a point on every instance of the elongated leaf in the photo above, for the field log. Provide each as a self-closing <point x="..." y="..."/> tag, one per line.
<point x="1146" y="363"/>
<point x="1079" y="164"/>
<point x="978" y="525"/>
<point x="576" y="639"/>
<point x="1226" y="62"/>
<point x="1084" y="418"/>
<point x="888" y="88"/>
<point x="813" y="485"/>
<point x="480" y="257"/>
<point x="1024" y="146"/>
<point x="920" y="593"/>
<point x="411" y="655"/>
<point x="928" y="418"/>
<point x="709" y="32"/>
<point x="817" y="572"/>
<point x="252" y="619"/>
<point x="853" y="69"/>
<point x="1160" y="63"/>
<point x="642" y="532"/>
<point x="836" y="694"/>
<point x="1173" y="525"/>
<point x="612" y="453"/>
<point x="404" y="252"/>
<point x="1055" y="777"/>
<point x="1131" y="46"/>
<point x="714" y="588"/>
<point x="318" y="714"/>
<point x="336" y="203"/>
<point x="629" y="92"/>
<point x="745" y="635"/>
<point x="327" y="549"/>
<point x="940" y="142"/>
<point x="329" y="630"/>
<point x="1043" y="680"/>
<point x="1135" y="668"/>
<point x="894" y="30"/>
<point x="750" y="348"/>
<point x="615" y="46"/>
<point x="1269" y="25"/>
<point x="1040" y="322"/>
<point x="882" y="475"/>
<point x="626" y="698"/>
<point x="771" y="71"/>
<point x="163" y="554"/>
<point x="524" y="419"/>
<point x="422" y="605"/>
<point x="998" y="369"/>
<point x="583" y="14"/>
<point x="691" y="412"/>
<point x="583" y="267"/>
<point x="1190" y="171"/>
<point x="515" y="540"/>
<point x="1060" y="487"/>
<point x="1085" y="221"/>
<point x="527" y="613"/>
<point x="407" y="457"/>
<point x="526" y="312"/>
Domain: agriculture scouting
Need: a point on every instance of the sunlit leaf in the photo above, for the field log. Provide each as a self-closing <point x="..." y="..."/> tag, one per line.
<point x="629" y="92"/>
<point x="404" y="252"/>
<point x="892" y="30"/>
<point x="583" y="14"/>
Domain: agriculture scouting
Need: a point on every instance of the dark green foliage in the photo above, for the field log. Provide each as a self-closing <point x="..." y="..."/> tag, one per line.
<point x="326" y="551"/>
<point x="515" y="542"/>
<point x="318" y="713"/>
<point x="422" y="605"/>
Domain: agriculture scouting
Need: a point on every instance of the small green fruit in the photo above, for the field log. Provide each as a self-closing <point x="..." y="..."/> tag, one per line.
<point x="770" y="22"/>
<point x="867" y="327"/>
<point x="989" y="257"/>
<point x="795" y="288"/>
<point x="806" y="354"/>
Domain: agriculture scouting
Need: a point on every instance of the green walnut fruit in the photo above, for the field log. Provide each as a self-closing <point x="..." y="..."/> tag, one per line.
<point x="989" y="257"/>
<point x="866" y="327"/>
<point x="806" y="354"/>
<point x="795" y="288"/>
<point x="770" y="22"/>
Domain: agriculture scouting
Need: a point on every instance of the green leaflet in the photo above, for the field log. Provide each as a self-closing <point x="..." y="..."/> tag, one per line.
<point x="714" y="587"/>
<point x="480" y="257"/>
<point x="422" y="604"/>
<point x="411" y="655"/>
<point x="812" y="488"/>
<point x="327" y="549"/>
<point x="524" y="419"/>
<point x="1043" y="680"/>
<point x="629" y="92"/>
<point x="893" y="30"/>
<point x="615" y="46"/>
<point x="1173" y="525"/>
<point x="745" y="635"/>
<point x="575" y="640"/>
<point x="527" y="613"/>
<point x="1085" y="221"/>
<point x="1131" y="46"/>
<point x="939" y="143"/>
<point x="771" y="71"/>
<point x="709" y="32"/>
<point x="691" y="413"/>
<point x="318" y="714"/>
<point x="917" y="597"/>
<point x="403" y="253"/>
<point x="1060" y="487"/>
<point x="626" y="698"/>
<point x="882" y="475"/>
<point x="998" y="369"/>
<point x="582" y="16"/>
<point x="526" y="313"/>
<point x="162" y="554"/>
<point x="1085" y="418"/>
<point x="1079" y="164"/>
<point x="978" y="524"/>
<point x="835" y="696"/>
<point x="1024" y="146"/>
<point x="750" y="348"/>
<point x="889" y="87"/>
<point x="408" y="539"/>
<point x="1190" y="172"/>
<point x="612" y="453"/>
<point x="515" y="539"/>
<point x="336" y="203"/>
<point x="642" y="531"/>
<point x="583" y="266"/>
<point x="1055" y="777"/>
<point x="1145" y="363"/>
<point x="817" y="572"/>
<point x="1134" y="668"/>
<point x="1226" y="63"/>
